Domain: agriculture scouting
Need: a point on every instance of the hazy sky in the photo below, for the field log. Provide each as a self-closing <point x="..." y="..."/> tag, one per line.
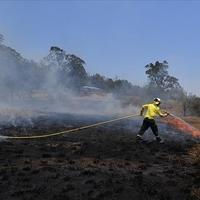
<point x="115" y="38"/>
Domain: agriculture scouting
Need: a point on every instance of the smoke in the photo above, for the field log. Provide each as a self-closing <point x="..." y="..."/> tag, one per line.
<point x="52" y="87"/>
<point x="29" y="89"/>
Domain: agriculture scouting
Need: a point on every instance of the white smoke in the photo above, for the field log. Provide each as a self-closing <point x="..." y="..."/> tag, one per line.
<point x="29" y="89"/>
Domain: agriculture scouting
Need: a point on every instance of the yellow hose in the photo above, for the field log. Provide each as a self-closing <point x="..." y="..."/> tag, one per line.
<point x="67" y="131"/>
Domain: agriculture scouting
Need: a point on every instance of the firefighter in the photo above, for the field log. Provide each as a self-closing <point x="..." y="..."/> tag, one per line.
<point x="152" y="111"/>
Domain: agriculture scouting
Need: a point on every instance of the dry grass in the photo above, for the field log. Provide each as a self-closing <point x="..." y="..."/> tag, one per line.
<point x="194" y="153"/>
<point x="195" y="193"/>
<point x="194" y="121"/>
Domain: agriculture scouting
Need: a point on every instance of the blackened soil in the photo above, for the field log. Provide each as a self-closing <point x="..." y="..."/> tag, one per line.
<point x="101" y="163"/>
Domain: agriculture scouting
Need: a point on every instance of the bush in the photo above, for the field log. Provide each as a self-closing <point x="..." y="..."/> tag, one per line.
<point x="192" y="105"/>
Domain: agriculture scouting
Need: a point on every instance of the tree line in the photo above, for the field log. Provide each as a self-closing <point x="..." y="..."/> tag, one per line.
<point x="64" y="70"/>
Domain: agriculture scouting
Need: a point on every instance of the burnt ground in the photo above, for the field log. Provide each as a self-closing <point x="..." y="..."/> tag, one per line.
<point x="100" y="163"/>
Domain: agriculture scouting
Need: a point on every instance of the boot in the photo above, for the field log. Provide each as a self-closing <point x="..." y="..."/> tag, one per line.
<point x="139" y="138"/>
<point x="159" y="140"/>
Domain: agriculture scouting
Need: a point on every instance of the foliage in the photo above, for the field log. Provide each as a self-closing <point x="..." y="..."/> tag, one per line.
<point x="17" y="73"/>
<point x="159" y="77"/>
<point x="161" y="83"/>
<point x="60" y="70"/>
<point x="191" y="105"/>
<point x="117" y="86"/>
<point x="78" y="72"/>
<point x="67" y="69"/>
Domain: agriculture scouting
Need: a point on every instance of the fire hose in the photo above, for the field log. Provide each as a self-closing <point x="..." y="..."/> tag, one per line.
<point x="197" y="132"/>
<point x="184" y="126"/>
<point x="67" y="131"/>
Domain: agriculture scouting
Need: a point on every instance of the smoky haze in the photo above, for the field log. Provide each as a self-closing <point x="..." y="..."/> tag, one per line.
<point x="29" y="89"/>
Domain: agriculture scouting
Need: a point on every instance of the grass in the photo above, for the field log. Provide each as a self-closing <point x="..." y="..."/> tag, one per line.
<point x="194" y="121"/>
<point x="194" y="153"/>
<point x="195" y="193"/>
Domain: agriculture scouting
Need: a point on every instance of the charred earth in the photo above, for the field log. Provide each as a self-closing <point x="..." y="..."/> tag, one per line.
<point x="104" y="162"/>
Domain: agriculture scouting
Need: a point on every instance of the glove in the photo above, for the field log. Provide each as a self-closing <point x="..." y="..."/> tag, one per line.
<point x="167" y="113"/>
<point x="141" y="112"/>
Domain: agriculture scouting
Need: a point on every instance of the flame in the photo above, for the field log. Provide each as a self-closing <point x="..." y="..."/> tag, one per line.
<point x="182" y="125"/>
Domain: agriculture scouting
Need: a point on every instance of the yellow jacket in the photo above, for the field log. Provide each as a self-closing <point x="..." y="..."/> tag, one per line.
<point x="152" y="111"/>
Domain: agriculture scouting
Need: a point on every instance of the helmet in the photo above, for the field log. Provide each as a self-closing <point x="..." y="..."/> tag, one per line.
<point x="157" y="101"/>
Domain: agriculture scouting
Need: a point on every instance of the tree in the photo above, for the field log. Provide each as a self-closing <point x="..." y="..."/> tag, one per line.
<point x="66" y="70"/>
<point x="98" y="81"/>
<point x="78" y="74"/>
<point x="191" y="105"/>
<point x="159" y="77"/>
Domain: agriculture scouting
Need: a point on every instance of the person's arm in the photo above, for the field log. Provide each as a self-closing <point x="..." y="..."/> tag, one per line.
<point x="143" y="108"/>
<point x="163" y="113"/>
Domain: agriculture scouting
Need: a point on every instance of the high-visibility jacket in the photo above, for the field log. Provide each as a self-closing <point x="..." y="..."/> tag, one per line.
<point x="152" y="111"/>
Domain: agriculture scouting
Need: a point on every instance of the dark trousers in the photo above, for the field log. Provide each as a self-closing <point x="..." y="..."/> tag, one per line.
<point x="149" y="123"/>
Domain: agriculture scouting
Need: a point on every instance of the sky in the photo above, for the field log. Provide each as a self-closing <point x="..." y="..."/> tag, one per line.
<point x="115" y="38"/>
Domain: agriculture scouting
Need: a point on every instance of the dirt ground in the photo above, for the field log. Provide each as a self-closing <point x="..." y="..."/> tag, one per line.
<point x="101" y="163"/>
